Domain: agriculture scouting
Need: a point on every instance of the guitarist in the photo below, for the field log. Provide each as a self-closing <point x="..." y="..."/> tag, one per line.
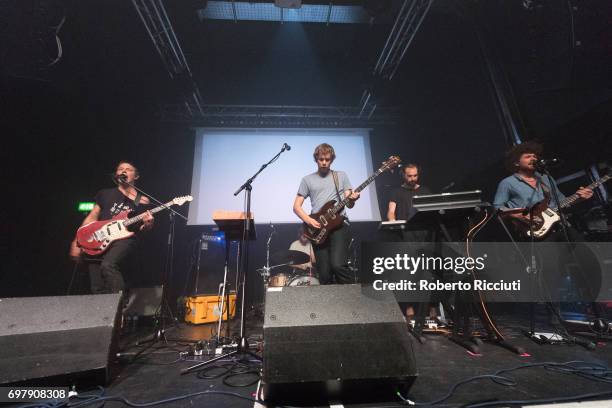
<point x="105" y="276"/>
<point x="526" y="186"/>
<point x="322" y="186"/>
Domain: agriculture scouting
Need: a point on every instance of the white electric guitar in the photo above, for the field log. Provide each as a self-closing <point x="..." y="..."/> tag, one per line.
<point x="544" y="217"/>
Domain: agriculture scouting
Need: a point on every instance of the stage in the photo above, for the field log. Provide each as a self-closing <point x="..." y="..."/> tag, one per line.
<point x="155" y="374"/>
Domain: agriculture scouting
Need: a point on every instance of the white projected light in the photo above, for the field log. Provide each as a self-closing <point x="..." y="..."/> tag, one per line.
<point x="225" y="159"/>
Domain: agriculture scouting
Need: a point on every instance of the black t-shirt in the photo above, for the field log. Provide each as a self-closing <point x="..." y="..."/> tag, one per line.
<point x="402" y="197"/>
<point x="112" y="202"/>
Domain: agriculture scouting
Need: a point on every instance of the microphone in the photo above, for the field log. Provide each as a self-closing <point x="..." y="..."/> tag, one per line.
<point x="286" y="147"/>
<point x="120" y="178"/>
<point x="448" y="186"/>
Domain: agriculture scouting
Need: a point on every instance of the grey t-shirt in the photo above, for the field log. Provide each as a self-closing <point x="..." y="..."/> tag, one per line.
<point x="323" y="189"/>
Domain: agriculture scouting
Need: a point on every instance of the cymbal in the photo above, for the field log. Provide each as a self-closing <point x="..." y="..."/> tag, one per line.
<point x="290" y="257"/>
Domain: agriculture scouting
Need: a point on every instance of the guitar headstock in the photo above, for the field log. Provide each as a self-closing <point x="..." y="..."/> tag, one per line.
<point x="182" y="200"/>
<point x="391" y="163"/>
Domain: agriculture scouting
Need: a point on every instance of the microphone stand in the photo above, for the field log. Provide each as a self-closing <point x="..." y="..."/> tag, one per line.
<point x="159" y="330"/>
<point x="243" y="345"/>
<point x="266" y="269"/>
<point x="555" y="194"/>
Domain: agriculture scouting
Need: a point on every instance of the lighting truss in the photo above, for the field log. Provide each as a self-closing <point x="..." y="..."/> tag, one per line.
<point x="280" y="116"/>
<point x="404" y="29"/>
<point x="153" y="15"/>
<point x="407" y="23"/>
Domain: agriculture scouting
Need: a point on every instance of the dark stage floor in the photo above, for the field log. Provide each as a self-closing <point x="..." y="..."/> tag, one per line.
<point x="155" y="374"/>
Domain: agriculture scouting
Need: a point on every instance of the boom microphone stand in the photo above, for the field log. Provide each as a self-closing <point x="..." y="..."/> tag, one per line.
<point x="555" y="194"/>
<point x="243" y="344"/>
<point x="536" y="278"/>
<point x="163" y="311"/>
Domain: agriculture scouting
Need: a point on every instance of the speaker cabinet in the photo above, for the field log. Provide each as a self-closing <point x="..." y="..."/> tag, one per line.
<point x="334" y="341"/>
<point x="58" y="337"/>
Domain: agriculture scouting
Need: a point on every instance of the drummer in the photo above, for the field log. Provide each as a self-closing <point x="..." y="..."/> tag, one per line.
<point x="304" y="245"/>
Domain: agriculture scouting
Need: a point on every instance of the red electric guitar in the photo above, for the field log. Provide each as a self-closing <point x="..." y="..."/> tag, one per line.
<point x="95" y="238"/>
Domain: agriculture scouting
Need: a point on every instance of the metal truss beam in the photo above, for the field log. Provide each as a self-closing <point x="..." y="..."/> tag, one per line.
<point x="153" y="15"/>
<point x="407" y="23"/>
<point x="404" y="30"/>
<point x="280" y="116"/>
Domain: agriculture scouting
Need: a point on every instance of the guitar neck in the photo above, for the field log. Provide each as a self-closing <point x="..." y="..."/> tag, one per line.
<point x="571" y="200"/>
<point x="139" y="218"/>
<point x="339" y="206"/>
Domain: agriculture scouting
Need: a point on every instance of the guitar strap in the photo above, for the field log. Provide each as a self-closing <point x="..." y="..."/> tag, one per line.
<point x="337" y="185"/>
<point x="338" y="194"/>
<point x="545" y="187"/>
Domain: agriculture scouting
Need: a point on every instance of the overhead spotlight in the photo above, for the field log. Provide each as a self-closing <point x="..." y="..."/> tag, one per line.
<point x="289" y="4"/>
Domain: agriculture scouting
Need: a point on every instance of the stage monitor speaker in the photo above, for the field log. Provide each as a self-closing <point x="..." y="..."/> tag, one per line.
<point x="334" y="341"/>
<point x="57" y="340"/>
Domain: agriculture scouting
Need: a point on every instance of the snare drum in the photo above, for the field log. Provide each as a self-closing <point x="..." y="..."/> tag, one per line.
<point x="303" y="280"/>
<point x="280" y="279"/>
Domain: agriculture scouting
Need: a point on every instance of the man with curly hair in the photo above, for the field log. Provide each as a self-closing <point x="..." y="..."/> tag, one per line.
<point x="527" y="186"/>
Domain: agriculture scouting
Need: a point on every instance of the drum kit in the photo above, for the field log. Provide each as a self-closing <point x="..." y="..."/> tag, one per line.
<point x="288" y="270"/>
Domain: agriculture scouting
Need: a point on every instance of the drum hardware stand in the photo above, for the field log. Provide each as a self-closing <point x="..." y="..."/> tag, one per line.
<point x="352" y="260"/>
<point x="265" y="270"/>
<point x="243" y="344"/>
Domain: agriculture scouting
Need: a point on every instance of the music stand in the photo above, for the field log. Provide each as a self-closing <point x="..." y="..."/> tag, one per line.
<point x="231" y="223"/>
<point x="248" y="234"/>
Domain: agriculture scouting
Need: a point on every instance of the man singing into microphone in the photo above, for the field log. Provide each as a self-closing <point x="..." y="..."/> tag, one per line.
<point x="527" y="186"/>
<point x="322" y="186"/>
<point x="105" y="272"/>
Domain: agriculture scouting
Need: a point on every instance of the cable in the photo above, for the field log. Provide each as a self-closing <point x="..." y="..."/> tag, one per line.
<point x="230" y="370"/>
<point x="590" y="371"/>
<point x="95" y="399"/>
<point x="58" y="42"/>
<point x="505" y="403"/>
<point x="255" y="373"/>
<point x="470" y="237"/>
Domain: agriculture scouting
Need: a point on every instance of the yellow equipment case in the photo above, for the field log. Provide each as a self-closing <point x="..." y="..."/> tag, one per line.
<point x="201" y="309"/>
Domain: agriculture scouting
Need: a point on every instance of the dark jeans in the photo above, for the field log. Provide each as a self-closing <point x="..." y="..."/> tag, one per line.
<point x="332" y="258"/>
<point x="105" y="271"/>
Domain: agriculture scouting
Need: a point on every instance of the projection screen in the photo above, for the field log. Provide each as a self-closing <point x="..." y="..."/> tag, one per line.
<point x="225" y="158"/>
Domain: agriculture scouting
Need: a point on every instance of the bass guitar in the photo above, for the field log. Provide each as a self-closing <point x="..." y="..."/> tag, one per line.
<point x="95" y="238"/>
<point x="329" y="215"/>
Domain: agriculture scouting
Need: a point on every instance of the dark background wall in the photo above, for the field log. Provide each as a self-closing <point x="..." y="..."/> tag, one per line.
<point x="67" y="125"/>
